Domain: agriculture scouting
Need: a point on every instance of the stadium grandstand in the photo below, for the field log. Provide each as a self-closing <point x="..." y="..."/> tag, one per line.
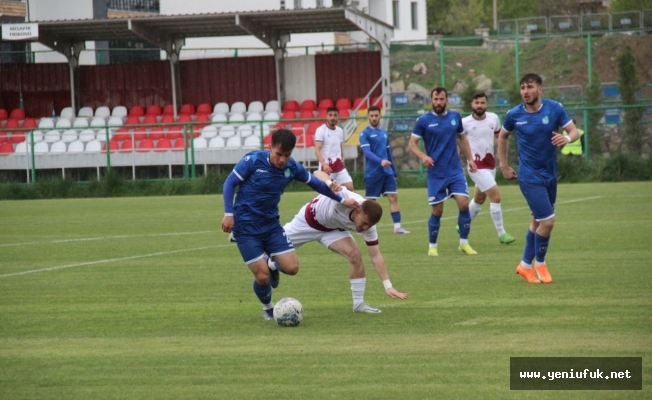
<point x="176" y="111"/>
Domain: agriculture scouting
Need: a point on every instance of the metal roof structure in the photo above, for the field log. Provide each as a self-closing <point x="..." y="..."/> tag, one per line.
<point x="169" y="32"/>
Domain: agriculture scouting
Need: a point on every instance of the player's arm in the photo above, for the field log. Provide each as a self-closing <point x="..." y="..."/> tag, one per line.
<point x="572" y="134"/>
<point x="381" y="269"/>
<point x="228" y="189"/>
<point x="324" y="165"/>
<point x="390" y="158"/>
<point x="465" y="147"/>
<point x="503" y="146"/>
<point x="413" y="145"/>
<point x="322" y="188"/>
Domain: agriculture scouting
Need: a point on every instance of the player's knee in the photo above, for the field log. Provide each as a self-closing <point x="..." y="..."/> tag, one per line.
<point x="262" y="277"/>
<point x="547" y="225"/>
<point x="354" y="256"/>
<point x="291" y="268"/>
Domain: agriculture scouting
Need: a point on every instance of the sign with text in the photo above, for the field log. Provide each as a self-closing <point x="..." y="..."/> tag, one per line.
<point x="19" y="31"/>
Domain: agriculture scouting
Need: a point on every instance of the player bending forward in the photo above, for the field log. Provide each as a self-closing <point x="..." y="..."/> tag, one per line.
<point x="329" y="223"/>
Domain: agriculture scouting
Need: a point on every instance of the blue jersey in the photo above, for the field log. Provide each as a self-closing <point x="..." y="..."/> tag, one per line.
<point x="536" y="153"/>
<point x="377" y="140"/>
<point x="261" y="189"/>
<point x="439" y="134"/>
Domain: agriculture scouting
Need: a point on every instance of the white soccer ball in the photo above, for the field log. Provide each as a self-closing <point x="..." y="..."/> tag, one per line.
<point x="288" y="312"/>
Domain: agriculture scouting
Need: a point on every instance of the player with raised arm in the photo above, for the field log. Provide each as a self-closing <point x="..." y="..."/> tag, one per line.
<point x="380" y="172"/>
<point x="481" y="127"/>
<point x="328" y="222"/>
<point x="261" y="177"/>
<point x="535" y="123"/>
<point x="329" y="149"/>
<point x="442" y="132"/>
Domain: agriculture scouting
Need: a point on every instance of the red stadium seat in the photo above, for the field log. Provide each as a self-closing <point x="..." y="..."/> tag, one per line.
<point x="132" y="120"/>
<point x="360" y="101"/>
<point x="6" y="148"/>
<point x="29" y="123"/>
<point x="12" y="123"/>
<point x="156" y="133"/>
<point x="17" y="137"/>
<point x="3" y="114"/>
<point x="136" y="111"/>
<point x="312" y="127"/>
<point x="154" y="110"/>
<point x="308" y="105"/>
<point x="267" y="141"/>
<point x="289" y="115"/>
<point x="113" y="144"/>
<point x="121" y="134"/>
<point x="378" y="102"/>
<point x="178" y="145"/>
<point x="168" y="109"/>
<point x="204" y="108"/>
<point x="307" y="114"/>
<point x="140" y="133"/>
<point x="167" y="119"/>
<point x="174" y="132"/>
<point x="187" y="108"/>
<point x="291" y="105"/>
<point x="4" y="137"/>
<point x="343" y="103"/>
<point x="145" y="145"/>
<point x="150" y="119"/>
<point x="184" y="118"/>
<point x="163" y="145"/>
<point x="127" y="145"/>
<point x="322" y="113"/>
<point x="17" y="113"/>
<point x="305" y="141"/>
<point x="297" y="128"/>
<point x="344" y="114"/>
<point x="325" y="103"/>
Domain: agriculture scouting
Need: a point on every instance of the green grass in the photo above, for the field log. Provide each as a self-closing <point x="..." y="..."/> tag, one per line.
<point x="143" y="298"/>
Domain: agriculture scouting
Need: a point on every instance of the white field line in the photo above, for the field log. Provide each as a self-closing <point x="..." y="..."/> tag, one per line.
<point x="507" y="210"/>
<point x="194" y="249"/>
<point x="107" y="237"/>
<point x="162" y="253"/>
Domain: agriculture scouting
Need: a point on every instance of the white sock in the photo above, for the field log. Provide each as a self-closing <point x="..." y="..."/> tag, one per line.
<point x="497" y="217"/>
<point x="271" y="264"/>
<point x="464" y="241"/>
<point x="357" y="290"/>
<point x="433" y="245"/>
<point x="397" y="225"/>
<point x="474" y="209"/>
<point x="526" y="265"/>
<point x="268" y="306"/>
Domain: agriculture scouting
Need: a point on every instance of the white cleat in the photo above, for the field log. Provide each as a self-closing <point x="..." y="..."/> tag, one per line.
<point x="401" y="231"/>
<point x="366" y="308"/>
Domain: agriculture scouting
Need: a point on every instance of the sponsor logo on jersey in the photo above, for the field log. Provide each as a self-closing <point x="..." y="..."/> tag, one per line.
<point x="521" y="123"/>
<point x="431" y="125"/>
<point x="262" y="171"/>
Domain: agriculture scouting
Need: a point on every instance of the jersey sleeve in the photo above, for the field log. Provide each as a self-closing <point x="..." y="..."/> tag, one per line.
<point x="496" y="122"/>
<point x="418" y="128"/>
<point x="301" y="174"/>
<point x="371" y="236"/>
<point x="244" y="167"/>
<point x="460" y="126"/>
<point x="563" y="118"/>
<point x="319" y="134"/>
<point x="508" y="123"/>
<point x="364" y="140"/>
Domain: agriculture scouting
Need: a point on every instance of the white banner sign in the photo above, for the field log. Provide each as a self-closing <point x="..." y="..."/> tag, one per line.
<point x="19" y="31"/>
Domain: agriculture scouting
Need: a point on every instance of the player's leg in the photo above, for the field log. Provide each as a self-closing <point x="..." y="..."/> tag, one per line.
<point x="390" y="188"/>
<point x="343" y="244"/>
<point x="459" y="190"/>
<point x="344" y="178"/>
<point x="436" y="197"/>
<point x="497" y="215"/>
<point x="253" y="253"/>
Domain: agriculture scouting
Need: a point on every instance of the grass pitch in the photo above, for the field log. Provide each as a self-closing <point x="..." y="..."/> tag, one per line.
<point x="144" y="298"/>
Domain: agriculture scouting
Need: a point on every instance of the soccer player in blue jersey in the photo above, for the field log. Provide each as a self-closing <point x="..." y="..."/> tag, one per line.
<point x="379" y="171"/>
<point x="535" y="123"/>
<point x="262" y="177"/>
<point x="442" y="132"/>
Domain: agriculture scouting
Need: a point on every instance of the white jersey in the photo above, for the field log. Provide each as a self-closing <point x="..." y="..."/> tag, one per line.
<point x="480" y="134"/>
<point x="324" y="214"/>
<point x="331" y="149"/>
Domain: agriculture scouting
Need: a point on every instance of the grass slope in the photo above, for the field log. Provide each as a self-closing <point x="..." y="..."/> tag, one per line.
<point x="144" y="298"/>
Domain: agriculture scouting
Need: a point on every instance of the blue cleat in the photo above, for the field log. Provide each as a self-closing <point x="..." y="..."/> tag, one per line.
<point x="268" y="314"/>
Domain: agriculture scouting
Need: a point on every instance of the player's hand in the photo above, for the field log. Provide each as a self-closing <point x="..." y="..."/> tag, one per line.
<point x="472" y="166"/>
<point x="326" y="168"/>
<point x="395" y="294"/>
<point x="351" y="203"/>
<point x="508" y="173"/>
<point x="385" y="163"/>
<point x="559" y="140"/>
<point x="336" y="186"/>
<point x="428" y="162"/>
<point x="227" y="223"/>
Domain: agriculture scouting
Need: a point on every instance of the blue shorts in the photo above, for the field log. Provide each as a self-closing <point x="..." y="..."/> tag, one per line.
<point x="380" y="184"/>
<point x="541" y="197"/>
<point x="440" y="189"/>
<point x="273" y="242"/>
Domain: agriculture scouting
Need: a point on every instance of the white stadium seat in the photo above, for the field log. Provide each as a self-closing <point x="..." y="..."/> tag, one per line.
<point x="251" y="143"/>
<point x="85" y="112"/>
<point x="98" y="122"/>
<point x="216" y="143"/>
<point x="272" y="116"/>
<point x="245" y="131"/>
<point x="38" y="136"/>
<point x="63" y="123"/>
<point x="57" y="147"/>
<point x="221" y="108"/>
<point x="80" y="123"/>
<point x="21" y="148"/>
<point x="236" y="119"/>
<point x="102" y="112"/>
<point x="41" y="148"/>
<point x="254" y="118"/>
<point x="119" y="111"/>
<point x="114" y="121"/>
<point x="67" y="113"/>
<point x="238" y="107"/>
<point x="87" y="135"/>
<point x="209" y="132"/>
<point x="76" y="147"/>
<point x="227" y="131"/>
<point x="93" y="146"/>
<point x="46" y="123"/>
<point x="69" y="136"/>
<point x="272" y="106"/>
<point x="219" y="119"/>
<point x="234" y="142"/>
<point x="256" y="107"/>
<point x="200" y="143"/>
<point x="52" y="136"/>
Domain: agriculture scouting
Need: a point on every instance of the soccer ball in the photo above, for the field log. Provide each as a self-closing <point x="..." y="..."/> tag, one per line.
<point x="288" y="312"/>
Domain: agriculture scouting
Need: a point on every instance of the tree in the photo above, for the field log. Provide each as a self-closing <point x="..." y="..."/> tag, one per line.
<point x="628" y="86"/>
<point x="630" y="5"/>
<point x="593" y="135"/>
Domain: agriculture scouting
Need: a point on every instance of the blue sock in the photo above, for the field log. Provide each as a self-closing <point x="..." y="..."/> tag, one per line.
<point x="464" y="222"/>
<point x="528" y="252"/>
<point x="541" y="246"/>
<point x="396" y="217"/>
<point x="264" y="293"/>
<point x="433" y="228"/>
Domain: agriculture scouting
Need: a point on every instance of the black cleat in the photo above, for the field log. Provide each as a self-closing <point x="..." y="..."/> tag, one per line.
<point x="274" y="277"/>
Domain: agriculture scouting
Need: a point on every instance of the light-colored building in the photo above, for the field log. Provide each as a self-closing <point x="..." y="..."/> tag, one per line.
<point x="407" y="16"/>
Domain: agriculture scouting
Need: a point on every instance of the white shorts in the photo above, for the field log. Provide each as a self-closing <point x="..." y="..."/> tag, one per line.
<point x="299" y="232"/>
<point x="484" y="179"/>
<point x="342" y="176"/>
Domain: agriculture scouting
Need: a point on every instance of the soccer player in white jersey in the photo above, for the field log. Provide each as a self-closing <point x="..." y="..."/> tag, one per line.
<point x="329" y="149"/>
<point x="329" y="223"/>
<point x="481" y="127"/>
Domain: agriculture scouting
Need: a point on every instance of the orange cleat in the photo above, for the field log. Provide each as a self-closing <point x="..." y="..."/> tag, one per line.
<point x="527" y="274"/>
<point x="542" y="273"/>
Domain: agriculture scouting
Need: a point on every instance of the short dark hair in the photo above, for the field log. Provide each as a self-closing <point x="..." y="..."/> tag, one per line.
<point x="329" y="109"/>
<point x="531" y="78"/>
<point x="477" y="95"/>
<point x="373" y="210"/>
<point x="438" y="90"/>
<point x="284" y="138"/>
<point x="373" y="108"/>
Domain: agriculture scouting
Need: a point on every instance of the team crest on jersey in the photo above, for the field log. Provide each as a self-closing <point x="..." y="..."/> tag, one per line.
<point x="453" y="122"/>
<point x="545" y="120"/>
<point x="287" y="172"/>
<point x="247" y="158"/>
